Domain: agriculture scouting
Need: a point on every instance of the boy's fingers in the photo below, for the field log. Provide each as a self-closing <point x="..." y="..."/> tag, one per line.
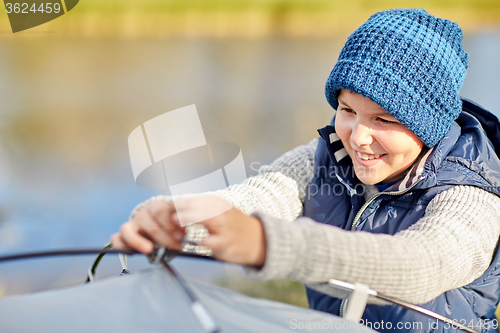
<point x="131" y="238"/>
<point x="170" y="240"/>
<point x="151" y="228"/>
<point x="162" y="212"/>
<point x="116" y="241"/>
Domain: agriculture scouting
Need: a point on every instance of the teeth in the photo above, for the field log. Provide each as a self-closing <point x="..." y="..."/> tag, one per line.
<point x="368" y="157"/>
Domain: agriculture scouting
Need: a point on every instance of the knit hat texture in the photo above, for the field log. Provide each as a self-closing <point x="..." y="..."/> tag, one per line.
<point x="410" y="63"/>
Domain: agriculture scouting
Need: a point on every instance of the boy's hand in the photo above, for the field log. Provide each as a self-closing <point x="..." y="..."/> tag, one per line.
<point x="153" y="224"/>
<point x="233" y="236"/>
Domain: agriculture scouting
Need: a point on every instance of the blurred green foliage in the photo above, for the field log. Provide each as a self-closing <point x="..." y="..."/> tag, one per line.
<point x="283" y="290"/>
<point x="281" y="5"/>
<point x="251" y="18"/>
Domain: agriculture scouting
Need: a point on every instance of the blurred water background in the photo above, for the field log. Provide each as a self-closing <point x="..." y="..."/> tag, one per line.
<point x="72" y="91"/>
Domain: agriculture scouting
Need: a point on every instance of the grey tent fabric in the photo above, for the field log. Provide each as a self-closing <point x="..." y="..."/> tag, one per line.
<point x="152" y="301"/>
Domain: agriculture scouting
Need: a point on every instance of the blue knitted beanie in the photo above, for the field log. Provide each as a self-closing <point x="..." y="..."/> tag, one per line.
<point x="410" y="63"/>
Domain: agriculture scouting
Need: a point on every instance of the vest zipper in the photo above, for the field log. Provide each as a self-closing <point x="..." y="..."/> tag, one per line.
<point x="375" y="196"/>
<point x="342" y="307"/>
<point x="358" y="215"/>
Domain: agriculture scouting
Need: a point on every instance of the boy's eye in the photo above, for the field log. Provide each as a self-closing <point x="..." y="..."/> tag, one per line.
<point x="385" y="121"/>
<point x="347" y="110"/>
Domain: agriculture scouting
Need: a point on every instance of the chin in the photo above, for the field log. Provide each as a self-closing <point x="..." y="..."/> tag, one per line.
<point x="370" y="182"/>
<point x="368" y="178"/>
<point x="368" y="175"/>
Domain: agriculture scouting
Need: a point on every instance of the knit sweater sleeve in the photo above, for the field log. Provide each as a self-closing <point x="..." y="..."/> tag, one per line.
<point x="280" y="188"/>
<point x="449" y="247"/>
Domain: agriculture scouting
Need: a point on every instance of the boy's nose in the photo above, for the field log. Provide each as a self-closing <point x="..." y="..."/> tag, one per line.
<point x="361" y="135"/>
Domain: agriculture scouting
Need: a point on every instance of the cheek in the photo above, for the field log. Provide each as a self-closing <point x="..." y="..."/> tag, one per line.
<point x="401" y="147"/>
<point x="342" y="129"/>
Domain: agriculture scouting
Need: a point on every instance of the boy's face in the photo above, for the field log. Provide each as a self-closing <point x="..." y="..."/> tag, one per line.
<point x="380" y="147"/>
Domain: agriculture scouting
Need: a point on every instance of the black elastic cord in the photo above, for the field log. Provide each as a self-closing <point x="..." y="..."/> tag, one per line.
<point x="73" y="252"/>
<point x="97" y="261"/>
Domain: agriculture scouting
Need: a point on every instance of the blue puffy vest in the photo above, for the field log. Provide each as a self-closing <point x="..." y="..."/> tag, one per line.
<point x="467" y="155"/>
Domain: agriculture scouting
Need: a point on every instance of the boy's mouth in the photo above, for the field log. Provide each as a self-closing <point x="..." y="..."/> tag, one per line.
<point x="367" y="157"/>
